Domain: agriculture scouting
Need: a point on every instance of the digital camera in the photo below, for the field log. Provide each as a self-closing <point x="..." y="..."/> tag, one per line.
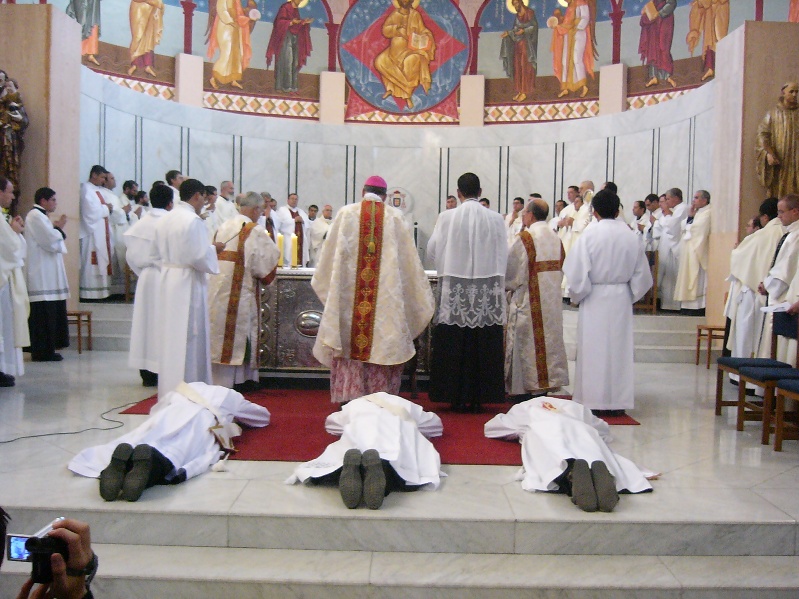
<point x="37" y="549"/>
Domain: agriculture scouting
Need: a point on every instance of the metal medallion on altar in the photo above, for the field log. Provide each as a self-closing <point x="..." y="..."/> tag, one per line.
<point x="403" y="56"/>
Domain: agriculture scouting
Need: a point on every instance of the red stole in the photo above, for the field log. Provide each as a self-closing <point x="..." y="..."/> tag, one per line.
<point x="107" y="237"/>
<point x="367" y="277"/>
<point x="298" y="227"/>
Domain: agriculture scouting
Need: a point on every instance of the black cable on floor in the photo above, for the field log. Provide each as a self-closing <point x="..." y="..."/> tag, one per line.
<point x="118" y="423"/>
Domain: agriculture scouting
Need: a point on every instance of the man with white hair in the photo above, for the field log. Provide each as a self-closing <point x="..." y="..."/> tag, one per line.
<point x="318" y="233"/>
<point x="691" y="286"/>
<point x="535" y="355"/>
<point x="225" y="207"/>
<point x="248" y="258"/>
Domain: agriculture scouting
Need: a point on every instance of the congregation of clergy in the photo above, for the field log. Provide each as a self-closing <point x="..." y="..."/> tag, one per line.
<point x="200" y="256"/>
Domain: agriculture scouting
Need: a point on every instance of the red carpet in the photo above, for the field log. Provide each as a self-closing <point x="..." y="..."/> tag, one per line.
<point x="297" y="432"/>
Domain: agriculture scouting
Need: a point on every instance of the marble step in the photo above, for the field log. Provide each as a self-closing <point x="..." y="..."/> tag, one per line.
<point x="478" y="509"/>
<point x="128" y="571"/>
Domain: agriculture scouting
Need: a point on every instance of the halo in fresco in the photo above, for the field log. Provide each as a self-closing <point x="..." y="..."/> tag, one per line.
<point x="511" y="8"/>
<point x="361" y="40"/>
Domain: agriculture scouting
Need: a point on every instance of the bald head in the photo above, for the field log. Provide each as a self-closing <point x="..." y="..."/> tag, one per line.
<point x="790" y="94"/>
<point x="535" y="211"/>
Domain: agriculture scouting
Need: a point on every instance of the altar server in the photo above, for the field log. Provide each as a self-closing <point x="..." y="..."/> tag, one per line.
<point x="469" y="247"/>
<point x="535" y="355"/>
<point x="293" y="220"/>
<point x="188" y="432"/>
<point x="691" y="286"/>
<point x="376" y="296"/>
<point x="385" y="434"/>
<point x="46" y="277"/>
<point x="145" y="330"/>
<point x="180" y="246"/>
<point x="249" y="257"/>
<point x="608" y="272"/>
<point x="14" y="307"/>
<point x="561" y="437"/>
<point x="96" y="241"/>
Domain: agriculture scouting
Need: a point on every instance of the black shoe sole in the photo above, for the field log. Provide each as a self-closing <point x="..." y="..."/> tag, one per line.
<point x="350" y="483"/>
<point x="113" y="476"/>
<point x="136" y="480"/>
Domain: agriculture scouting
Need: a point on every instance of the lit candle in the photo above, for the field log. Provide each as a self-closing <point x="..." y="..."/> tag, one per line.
<point x="280" y="247"/>
<point x="294" y="247"/>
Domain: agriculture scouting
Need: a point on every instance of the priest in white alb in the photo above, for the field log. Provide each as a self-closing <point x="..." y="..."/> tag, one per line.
<point x="46" y="277"/>
<point x="120" y="222"/>
<point x="293" y="220"/>
<point x="376" y="297"/>
<point x="145" y="330"/>
<point x="96" y="238"/>
<point x="608" y="272"/>
<point x="181" y="247"/>
<point x="691" y="285"/>
<point x="225" y="207"/>
<point x="535" y="355"/>
<point x="749" y="265"/>
<point x="249" y="258"/>
<point x="668" y="231"/>
<point x="317" y="233"/>
<point x="397" y="429"/>
<point x="14" y="308"/>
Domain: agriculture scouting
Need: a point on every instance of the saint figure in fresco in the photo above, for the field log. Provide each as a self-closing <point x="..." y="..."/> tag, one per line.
<point x="87" y="13"/>
<point x="654" y="46"/>
<point x="229" y="28"/>
<point x="574" y="45"/>
<point x="146" y="27"/>
<point x="405" y="64"/>
<point x="710" y="20"/>
<point x="290" y="45"/>
<point x="793" y="11"/>
<point x="519" y="51"/>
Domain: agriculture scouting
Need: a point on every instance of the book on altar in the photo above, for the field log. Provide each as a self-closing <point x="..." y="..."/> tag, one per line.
<point x="418" y="41"/>
<point x="650" y="11"/>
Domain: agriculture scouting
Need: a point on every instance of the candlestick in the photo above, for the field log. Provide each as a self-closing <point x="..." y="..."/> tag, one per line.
<point x="280" y="247"/>
<point x="294" y="247"/>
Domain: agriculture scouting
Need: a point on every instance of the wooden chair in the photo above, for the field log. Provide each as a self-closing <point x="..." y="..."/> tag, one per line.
<point x="711" y="333"/>
<point x="766" y="377"/>
<point x="786" y="424"/>
<point x="650" y="299"/>
<point x="78" y="317"/>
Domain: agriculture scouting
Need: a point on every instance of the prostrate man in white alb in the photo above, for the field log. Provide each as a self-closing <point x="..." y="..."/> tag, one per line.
<point x="781" y="282"/>
<point x="608" y="272"/>
<point x="383" y="448"/>
<point x="469" y="247"/>
<point x="13" y="293"/>
<point x="145" y="331"/>
<point x="187" y="433"/>
<point x="749" y="265"/>
<point x="119" y="224"/>
<point x="318" y="233"/>
<point x="293" y="220"/>
<point x="48" y="288"/>
<point x="181" y="247"/>
<point x="249" y="257"/>
<point x="376" y="297"/>
<point x="535" y="355"/>
<point x="96" y="242"/>
<point x="691" y="286"/>
<point x="668" y="231"/>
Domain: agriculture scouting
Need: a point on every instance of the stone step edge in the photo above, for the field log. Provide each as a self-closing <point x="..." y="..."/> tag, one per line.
<point x="199" y="565"/>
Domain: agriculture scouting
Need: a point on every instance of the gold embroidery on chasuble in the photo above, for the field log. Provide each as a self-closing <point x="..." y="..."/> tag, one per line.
<point x="534" y="268"/>
<point x="370" y="248"/>
<point x="231" y="317"/>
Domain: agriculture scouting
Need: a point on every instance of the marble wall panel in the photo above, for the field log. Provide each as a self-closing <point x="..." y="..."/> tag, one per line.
<point x="210" y="157"/>
<point x="162" y="146"/>
<point x="531" y="169"/>
<point x="265" y="166"/>
<point x="585" y="160"/>
<point x="322" y="175"/>
<point x="674" y="152"/>
<point x="632" y="166"/>
<point x="119" y="145"/>
<point x="702" y="158"/>
<point x="486" y="163"/>
<point x="90" y="138"/>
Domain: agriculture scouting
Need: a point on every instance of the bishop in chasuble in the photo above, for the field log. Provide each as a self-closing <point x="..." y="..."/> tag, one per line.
<point x="535" y="355"/>
<point x="250" y="256"/>
<point x="376" y="297"/>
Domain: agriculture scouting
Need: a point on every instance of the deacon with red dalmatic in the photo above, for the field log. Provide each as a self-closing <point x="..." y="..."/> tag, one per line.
<point x="376" y="297"/>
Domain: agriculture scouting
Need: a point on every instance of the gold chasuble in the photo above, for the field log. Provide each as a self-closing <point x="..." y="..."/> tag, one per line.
<point x="370" y="249"/>
<point x="535" y="355"/>
<point x="237" y="282"/>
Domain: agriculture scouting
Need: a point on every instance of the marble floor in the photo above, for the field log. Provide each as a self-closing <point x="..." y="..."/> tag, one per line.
<point x="721" y="493"/>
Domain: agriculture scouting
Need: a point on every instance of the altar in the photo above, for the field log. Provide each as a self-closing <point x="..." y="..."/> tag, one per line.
<point x="290" y="318"/>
